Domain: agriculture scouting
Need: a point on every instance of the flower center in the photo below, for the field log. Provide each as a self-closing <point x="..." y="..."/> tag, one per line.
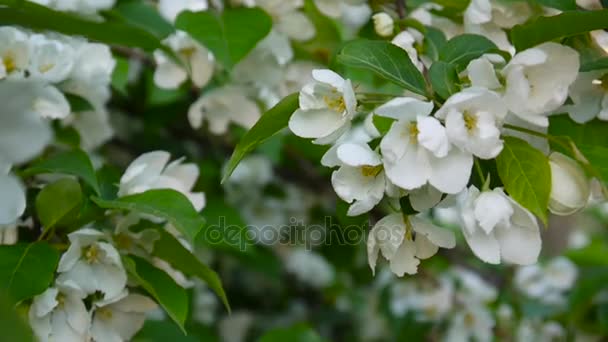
<point x="104" y="313"/>
<point x="60" y="300"/>
<point x="412" y="132"/>
<point x="335" y="101"/>
<point x="371" y="171"/>
<point x="469" y="320"/>
<point x="602" y="82"/>
<point x="123" y="241"/>
<point x="470" y="121"/>
<point x="9" y="63"/>
<point x="187" y="52"/>
<point x="92" y="254"/>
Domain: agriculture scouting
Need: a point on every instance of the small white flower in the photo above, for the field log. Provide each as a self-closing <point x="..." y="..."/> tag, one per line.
<point x="589" y="94"/>
<point x="59" y="314"/>
<point x="222" y="106"/>
<point x="496" y="227"/>
<point x="405" y="240"/>
<point x="12" y="200"/>
<point x="406" y="41"/>
<point x="51" y="103"/>
<point x="431" y="302"/>
<point x="83" y="6"/>
<point x="536" y="330"/>
<point x="169" y="9"/>
<point x="570" y="188"/>
<point x="14" y="52"/>
<point x="151" y="171"/>
<point x="92" y="265"/>
<point x="481" y="72"/>
<point x="547" y="283"/>
<point x="383" y="24"/>
<point x="310" y="268"/>
<point x="416" y="150"/>
<point x="537" y="81"/>
<point x="472" y="121"/>
<point x="360" y="178"/>
<point x="327" y="107"/>
<point x="50" y="60"/>
<point x="288" y="20"/>
<point x="472" y="322"/>
<point x="120" y="320"/>
<point x="169" y="75"/>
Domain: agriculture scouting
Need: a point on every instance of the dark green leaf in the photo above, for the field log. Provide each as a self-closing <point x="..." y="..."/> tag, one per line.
<point x="168" y="204"/>
<point x="78" y="103"/>
<point x="597" y="64"/>
<point x="140" y="14"/>
<point x="172" y="297"/>
<point x="27" y="270"/>
<point x="120" y="75"/>
<point x="526" y="175"/>
<point x="75" y="163"/>
<point x="462" y="49"/>
<point x="296" y="333"/>
<point x="382" y="123"/>
<point x="38" y="17"/>
<point x="444" y="79"/>
<point x="559" y="26"/>
<point x="268" y="125"/>
<point x="58" y="201"/>
<point x="564" y="5"/>
<point x="229" y="35"/>
<point x="14" y="327"/>
<point x="386" y="60"/>
<point x="434" y="40"/>
<point x="172" y="251"/>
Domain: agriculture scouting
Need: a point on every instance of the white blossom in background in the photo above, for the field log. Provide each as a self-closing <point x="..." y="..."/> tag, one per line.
<point x="360" y="179"/>
<point x="120" y="320"/>
<point x="589" y="95"/>
<point x="310" y="268"/>
<point x="424" y="15"/>
<point x="481" y="72"/>
<point x="288" y="19"/>
<point x="383" y="24"/>
<point x="222" y="106"/>
<point x="327" y="107"/>
<point x="86" y="7"/>
<point x="473" y="120"/>
<point x="169" y="9"/>
<point x="497" y="228"/>
<point x="416" y="149"/>
<point x="570" y="187"/>
<point x="407" y="40"/>
<point x="403" y="241"/>
<point x="430" y="302"/>
<point x="170" y="75"/>
<point x="92" y="265"/>
<point x="536" y="330"/>
<point x="51" y="60"/>
<point x="59" y="314"/>
<point x="537" y="81"/>
<point x="547" y="283"/>
<point x="151" y="171"/>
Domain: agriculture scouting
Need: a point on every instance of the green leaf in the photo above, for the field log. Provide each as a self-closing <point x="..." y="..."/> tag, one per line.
<point x="27" y="270"/>
<point x="386" y="60"/>
<point x="434" y="40"/>
<point x="462" y="49"/>
<point x="74" y="162"/>
<point x="229" y="35"/>
<point x="172" y="251"/>
<point x="526" y="175"/>
<point x="444" y="79"/>
<point x="140" y="14"/>
<point x="564" y="5"/>
<point x="38" y="17"/>
<point x="296" y="333"/>
<point x="268" y="125"/>
<point x="168" y="204"/>
<point x="597" y="64"/>
<point x="78" y="103"/>
<point x="563" y="25"/>
<point x="58" y="201"/>
<point x="120" y="75"/>
<point x="325" y="43"/>
<point x="13" y="325"/>
<point x="382" y="123"/>
<point x="172" y="297"/>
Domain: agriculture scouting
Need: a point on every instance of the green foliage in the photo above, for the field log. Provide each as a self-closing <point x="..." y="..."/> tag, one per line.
<point x="564" y="5"/>
<point x="78" y="103"/>
<point x="172" y="251"/>
<point x="434" y="40"/>
<point x="271" y="122"/>
<point x="296" y="333"/>
<point x="444" y="79"/>
<point x="526" y="175"/>
<point x="140" y="14"/>
<point x="172" y="297"/>
<point x="27" y="269"/>
<point x="386" y="60"/>
<point x="229" y="35"/>
<point x="59" y="202"/>
<point x="462" y="49"/>
<point x="566" y="24"/>
<point x="597" y="64"/>
<point x="382" y="123"/>
<point x="168" y="204"/>
<point x="13" y="326"/>
<point x="74" y="163"/>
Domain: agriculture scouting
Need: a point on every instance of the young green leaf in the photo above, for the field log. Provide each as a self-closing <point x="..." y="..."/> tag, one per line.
<point x="168" y="204"/>
<point x="229" y="35"/>
<point x="526" y="175"/>
<point x="386" y="60"/>
<point x="172" y="251"/>
<point x="564" y="5"/>
<point x="559" y="26"/>
<point x="14" y="326"/>
<point x="27" y="269"/>
<point x="172" y="297"/>
<point x="462" y="49"/>
<point x="140" y="14"/>
<point x="382" y="123"/>
<point x="444" y="79"/>
<point x="597" y="64"/>
<point x="268" y="125"/>
<point x="78" y="103"/>
<point x="75" y="163"/>
<point x="299" y="332"/>
<point x="434" y="40"/>
<point x="58" y="201"/>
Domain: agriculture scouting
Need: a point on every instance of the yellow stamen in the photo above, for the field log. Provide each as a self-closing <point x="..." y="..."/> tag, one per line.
<point x="123" y="241"/>
<point x="60" y="300"/>
<point x="9" y="63"/>
<point x="92" y="254"/>
<point x="45" y="67"/>
<point x="335" y="103"/>
<point x="469" y="320"/>
<point x="371" y="171"/>
<point x="187" y="52"/>
<point x="412" y="132"/>
<point x="104" y="313"/>
<point x="470" y="121"/>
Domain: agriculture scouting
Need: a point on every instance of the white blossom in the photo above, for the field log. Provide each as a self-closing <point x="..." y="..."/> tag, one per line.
<point x="570" y="188"/>
<point x="169" y="9"/>
<point x="120" y="320"/>
<point x="589" y="95"/>
<point x="547" y="283"/>
<point x="310" y="268"/>
<point x="383" y="24"/>
<point x="14" y="52"/>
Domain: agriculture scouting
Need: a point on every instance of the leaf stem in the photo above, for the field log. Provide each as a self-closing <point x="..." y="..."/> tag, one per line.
<point x="480" y="171"/>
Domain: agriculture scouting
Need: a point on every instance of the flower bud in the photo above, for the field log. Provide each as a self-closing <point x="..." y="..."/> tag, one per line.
<point x="569" y="185"/>
<point x="383" y="24"/>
